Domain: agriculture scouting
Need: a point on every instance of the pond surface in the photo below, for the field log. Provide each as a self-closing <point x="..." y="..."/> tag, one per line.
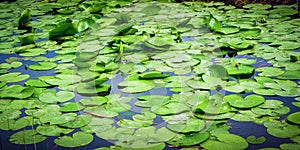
<point x="149" y="75"/>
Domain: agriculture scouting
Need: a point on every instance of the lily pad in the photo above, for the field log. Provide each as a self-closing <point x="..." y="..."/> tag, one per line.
<point x="153" y="75"/>
<point x="170" y="108"/>
<point x="189" y="139"/>
<point x="224" y="142"/>
<point x="294" y="117"/>
<point x="78" y="139"/>
<point x="13" y="77"/>
<point x="191" y="125"/>
<point x="136" y="86"/>
<point x="27" y="137"/>
<point x="43" y="66"/>
<point x="14" y="125"/>
<point x="53" y="97"/>
<point x="238" y="101"/>
<point x="253" y="140"/>
<point x="16" y="91"/>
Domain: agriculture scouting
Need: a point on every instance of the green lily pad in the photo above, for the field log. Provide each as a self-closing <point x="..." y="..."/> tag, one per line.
<point x="36" y="83"/>
<point x="57" y="118"/>
<point x="52" y="130"/>
<point x="253" y="140"/>
<point x="13" y="77"/>
<point x="281" y="129"/>
<point x="27" y="137"/>
<point x="53" y="97"/>
<point x="153" y="75"/>
<point x="136" y="86"/>
<point x="14" y="125"/>
<point x="151" y="10"/>
<point x="94" y="101"/>
<point x="240" y="70"/>
<point x="170" y="108"/>
<point x="290" y="75"/>
<point x="289" y="146"/>
<point x="92" y="87"/>
<point x="191" y="125"/>
<point x="189" y="139"/>
<point x="224" y="142"/>
<point x="238" y="101"/>
<point x="100" y="112"/>
<point x="294" y="117"/>
<point x="78" y="139"/>
<point x="63" y="79"/>
<point x="213" y="23"/>
<point x="14" y="64"/>
<point x="43" y="66"/>
<point x="16" y="91"/>
<point x="227" y="30"/>
<point x="71" y="107"/>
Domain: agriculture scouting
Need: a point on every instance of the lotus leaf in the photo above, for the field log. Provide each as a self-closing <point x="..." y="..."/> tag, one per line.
<point x="225" y="141"/>
<point x="13" y="77"/>
<point x="238" y="101"/>
<point x="53" y="97"/>
<point x="27" y="137"/>
<point x="217" y="71"/>
<point x="253" y="140"/>
<point x="189" y="139"/>
<point x="43" y="66"/>
<point x="78" y="139"/>
<point x="136" y="86"/>
<point x="294" y="118"/>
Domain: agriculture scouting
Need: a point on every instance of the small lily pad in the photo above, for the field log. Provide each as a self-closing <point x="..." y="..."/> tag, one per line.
<point x="253" y="140"/>
<point x="189" y="139"/>
<point x="136" y="86"/>
<point x="153" y="75"/>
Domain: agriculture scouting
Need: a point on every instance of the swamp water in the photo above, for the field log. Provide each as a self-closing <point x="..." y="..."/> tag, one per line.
<point x="126" y="75"/>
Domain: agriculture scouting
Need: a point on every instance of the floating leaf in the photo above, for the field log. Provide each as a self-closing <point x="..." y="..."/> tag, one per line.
<point x="170" y="108"/>
<point x="240" y="70"/>
<point x="16" y="91"/>
<point x="53" y="97"/>
<point x="224" y="142"/>
<point x="14" y="125"/>
<point x="153" y="75"/>
<point x="247" y="102"/>
<point x="151" y="10"/>
<point x="43" y="66"/>
<point x="78" y="139"/>
<point x="27" y="137"/>
<point x="71" y="107"/>
<point x="281" y="129"/>
<point x="294" y="117"/>
<point x="136" y="86"/>
<point x="191" y="125"/>
<point x="51" y="130"/>
<point x="253" y="140"/>
<point x="189" y="139"/>
<point x="13" y="77"/>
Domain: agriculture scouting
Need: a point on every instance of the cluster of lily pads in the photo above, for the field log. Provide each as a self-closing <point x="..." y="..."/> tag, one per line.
<point x="204" y="57"/>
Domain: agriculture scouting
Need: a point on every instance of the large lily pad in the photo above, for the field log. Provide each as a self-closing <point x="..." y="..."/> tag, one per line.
<point x="295" y="118"/>
<point x="78" y="139"/>
<point x="247" y="102"/>
<point x="225" y="141"/>
<point x="43" y="66"/>
<point x="136" y="86"/>
<point x="189" y="139"/>
<point x="13" y="77"/>
<point x="53" y="97"/>
<point x="27" y="137"/>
